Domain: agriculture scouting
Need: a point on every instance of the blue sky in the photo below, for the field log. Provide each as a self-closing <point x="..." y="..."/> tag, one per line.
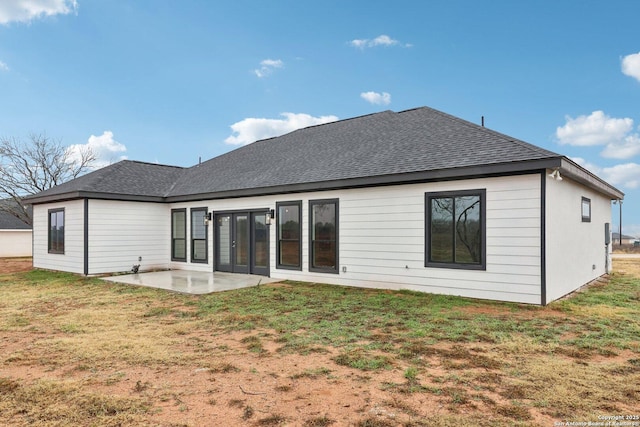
<point x="172" y="81"/>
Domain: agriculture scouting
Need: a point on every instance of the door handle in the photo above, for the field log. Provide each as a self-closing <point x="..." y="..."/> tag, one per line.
<point x="233" y="244"/>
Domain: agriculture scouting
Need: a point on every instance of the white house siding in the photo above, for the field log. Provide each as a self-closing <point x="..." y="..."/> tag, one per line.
<point x="263" y="202"/>
<point x="73" y="258"/>
<point x="573" y="247"/>
<point x="120" y="232"/>
<point x="382" y="239"/>
<point x="15" y="243"/>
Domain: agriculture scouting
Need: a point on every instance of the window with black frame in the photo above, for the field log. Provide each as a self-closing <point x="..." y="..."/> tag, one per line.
<point x="56" y="231"/>
<point x="455" y="229"/>
<point x="288" y="217"/>
<point x="586" y="209"/>
<point x="323" y="240"/>
<point x="198" y="235"/>
<point x="178" y="234"/>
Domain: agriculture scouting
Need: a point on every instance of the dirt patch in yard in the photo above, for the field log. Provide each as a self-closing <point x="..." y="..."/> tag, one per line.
<point x="237" y="386"/>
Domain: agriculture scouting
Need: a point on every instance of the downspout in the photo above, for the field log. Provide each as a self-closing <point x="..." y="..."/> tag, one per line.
<point x="543" y="237"/>
<point x="86" y="237"/>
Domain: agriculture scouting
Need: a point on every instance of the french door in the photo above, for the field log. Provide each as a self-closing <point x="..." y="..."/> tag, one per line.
<point x="242" y="242"/>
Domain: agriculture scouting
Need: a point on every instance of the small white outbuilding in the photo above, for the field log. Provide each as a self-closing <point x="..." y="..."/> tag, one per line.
<point x="15" y="237"/>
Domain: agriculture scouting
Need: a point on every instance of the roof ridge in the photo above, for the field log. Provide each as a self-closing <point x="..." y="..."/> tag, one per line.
<point x="345" y="120"/>
<point x="176" y="180"/>
<point x="467" y="123"/>
<point x="322" y="124"/>
<point x="264" y="140"/>
<point x="150" y="163"/>
<point x="114" y="167"/>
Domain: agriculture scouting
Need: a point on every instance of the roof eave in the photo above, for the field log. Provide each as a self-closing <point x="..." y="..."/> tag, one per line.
<point x="498" y="169"/>
<point x="75" y="195"/>
<point x="578" y="173"/>
<point x="567" y="167"/>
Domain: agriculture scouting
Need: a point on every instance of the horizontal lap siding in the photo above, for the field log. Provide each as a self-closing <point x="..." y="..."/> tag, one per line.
<point x="15" y="243"/>
<point x="513" y="233"/>
<point x="382" y="240"/>
<point x="576" y="250"/>
<point x="240" y="204"/>
<point x="120" y="232"/>
<point x="73" y="258"/>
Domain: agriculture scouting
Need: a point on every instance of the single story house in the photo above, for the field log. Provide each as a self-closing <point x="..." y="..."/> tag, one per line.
<point x="15" y="236"/>
<point x="416" y="199"/>
<point x="626" y="240"/>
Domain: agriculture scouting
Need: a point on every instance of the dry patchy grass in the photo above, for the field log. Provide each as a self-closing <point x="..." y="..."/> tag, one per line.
<point x="80" y="351"/>
<point x="629" y="266"/>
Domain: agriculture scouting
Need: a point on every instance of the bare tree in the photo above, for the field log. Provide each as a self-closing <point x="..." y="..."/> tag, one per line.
<point x="33" y="166"/>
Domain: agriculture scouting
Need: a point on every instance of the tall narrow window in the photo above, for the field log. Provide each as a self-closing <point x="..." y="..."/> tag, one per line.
<point x="455" y="229"/>
<point x="178" y="234"/>
<point x="56" y="231"/>
<point x="586" y="210"/>
<point x="198" y="235"/>
<point x="323" y="241"/>
<point x="289" y="232"/>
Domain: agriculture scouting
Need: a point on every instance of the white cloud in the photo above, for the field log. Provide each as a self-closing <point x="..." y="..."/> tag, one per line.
<point x="28" y="10"/>
<point x="587" y="165"/>
<point x="359" y="43"/>
<point x="106" y="150"/>
<point x="595" y="129"/>
<point x="253" y="129"/>
<point x="376" y="98"/>
<point x="267" y="66"/>
<point x="625" y="149"/>
<point x="626" y="175"/>
<point x="631" y="65"/>
<point x="3" y="66"/>
<point x="381" y="40"/>
<point x="623" y="175"/>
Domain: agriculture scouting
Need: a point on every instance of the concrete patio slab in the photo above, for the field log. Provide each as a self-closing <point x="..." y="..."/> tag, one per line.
<point x="191" y="282"/>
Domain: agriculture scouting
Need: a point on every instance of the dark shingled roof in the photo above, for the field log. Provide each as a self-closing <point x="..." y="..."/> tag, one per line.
<point x="385" y="143"/>
<point x="125" y="178"/>
<point x="10" y="222"/>
<point x="382" y="148"/>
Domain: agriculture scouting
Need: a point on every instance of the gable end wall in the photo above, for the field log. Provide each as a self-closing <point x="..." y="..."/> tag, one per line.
<point x="575" y="250"/>
<point x="73" y="258"/>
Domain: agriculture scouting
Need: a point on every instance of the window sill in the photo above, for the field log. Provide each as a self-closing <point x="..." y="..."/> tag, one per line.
<point x="477" y="267"/>
<point x="324" y="270"/>
<point x="288" y="267"/>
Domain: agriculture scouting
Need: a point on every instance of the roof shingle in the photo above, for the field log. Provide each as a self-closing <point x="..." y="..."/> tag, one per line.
<point x="379" y="144"/>
<point x="123" y="178"/>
